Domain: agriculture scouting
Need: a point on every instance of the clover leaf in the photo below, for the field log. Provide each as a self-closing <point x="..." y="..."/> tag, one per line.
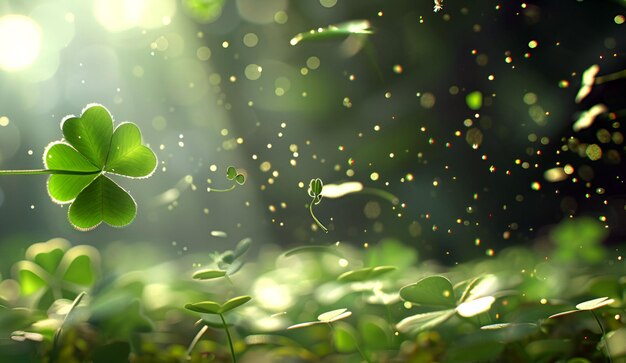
<point x="80" y="162"/>
<point x="53" y="270"/>
<point x="438" y="292"/>
<point x="325" y="318"/>
<point x="93" y="148"/>
<point x="231" y="174"/>
<point x="315" y="192"/>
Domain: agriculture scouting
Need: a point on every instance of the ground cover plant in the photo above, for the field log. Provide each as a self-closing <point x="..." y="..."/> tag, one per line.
<point x="312" y="181"/>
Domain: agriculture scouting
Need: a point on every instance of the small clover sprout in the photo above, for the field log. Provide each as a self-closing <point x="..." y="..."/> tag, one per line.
<point x="315" y="192"/>
<point x="229" y="261"/>
<point x="231" y="174"/>
<point x="214" y="308"/>
<point x="80" y="164"/>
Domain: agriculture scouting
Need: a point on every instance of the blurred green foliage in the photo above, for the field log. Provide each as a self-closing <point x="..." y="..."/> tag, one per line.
<point x="495" y="308"/>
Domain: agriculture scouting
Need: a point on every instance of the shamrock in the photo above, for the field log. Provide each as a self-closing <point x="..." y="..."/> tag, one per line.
<point x="315" y="192"/>
<point x="54" y="269"/>
<point x="79" y="164"/>
<point x="231" y="174"/>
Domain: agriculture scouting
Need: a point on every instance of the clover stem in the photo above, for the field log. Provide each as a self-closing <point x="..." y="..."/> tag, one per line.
<point x="610" y="77"/>
<point x="222" y="190"/>
<point x="57" y="334"/>
<point x="46" y="171"/>
<point x="230" y="340"/>
<point x="356" y="344"/>
<point x="315" y="218"/>
<point x="195" y="340"/>
<point x="383" y="194"/>
<point x="606" y="343"/>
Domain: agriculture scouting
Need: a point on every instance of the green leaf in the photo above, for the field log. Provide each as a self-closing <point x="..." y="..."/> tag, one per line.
<point x="49" y="260"/>
<point x="92" y="148"/>
<point x="615" y="340"/>
<point x="511" y="332"/>
<point x="30" y="281"/>
<point x="64" y="188"/>
<point x="594" y="303"/>
<point x="315" y="250"/>
<point x="240" y="179"/>
<point x="474" y="100"/>
<point x="242" y="247"/>
<point x="375" y="332"/>
<point x="420" y="322"/>
<point x="231" y="173"/>
<point x="90" y="134"/>
<point x="204" y="11"/>
<point x="102" y="201"/>
<point x="234" y="302"/>
<point x="315" y="187"/>
<point x="474" y="307"/>
<point x="365" y="273"/>
<point x="334" y="315"/>
<point x="430" y="291"/>
<point x="344" y="337"/>
<point x="205" y="307"/>
<point x="62" y="156"/>
<point x="341" y="30"/>
<point x="80" y="266"/>
<point x="579" y="240"/>
<point x="127" y="156"/>
<point x="209" y="274"/>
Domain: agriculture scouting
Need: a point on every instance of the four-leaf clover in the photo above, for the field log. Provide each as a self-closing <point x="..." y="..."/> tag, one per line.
<point x="81" y="162"/>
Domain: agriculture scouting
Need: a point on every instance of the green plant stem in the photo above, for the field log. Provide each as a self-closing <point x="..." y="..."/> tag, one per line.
<point x="606" y="343"/>
<point x="46" y="171"/>
<point x="315" y="218"/>
<point x="195" y="340"/>
<point x="356" y="344"/>
<point x="610" y="77"/>
<point x="230" y="340"/>
<point x="383" y="194"/>
<point x="222" y="190"/>
<point x="59" y="331"/>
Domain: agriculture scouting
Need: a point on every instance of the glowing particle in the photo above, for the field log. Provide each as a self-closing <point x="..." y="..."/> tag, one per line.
<point x="619" y="19"/>
<point x="397" y="69"/>
<point x="4" y="121"/>
<point x="313" y="62"/>
<point x="374" y="176"/>
<point x="563" y="83"/>
<point x="535" y="186"/>
<point x="490" y="252"/>
<point x="594" y="152"/>
<point x="532" y="44"/>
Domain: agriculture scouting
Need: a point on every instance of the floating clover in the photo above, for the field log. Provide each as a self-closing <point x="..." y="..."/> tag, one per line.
<point x="315" y="192"/>
<point x="228" y="261"/>
<point x="438" y="292"/>
<point x="343" y="30"/>
<point x="79" y="164"/>
<point x="231" y="174"/>
<point x="325" y="318"/>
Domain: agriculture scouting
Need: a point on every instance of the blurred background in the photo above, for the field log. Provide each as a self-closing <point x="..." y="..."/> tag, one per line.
<point x="458" y="113"/>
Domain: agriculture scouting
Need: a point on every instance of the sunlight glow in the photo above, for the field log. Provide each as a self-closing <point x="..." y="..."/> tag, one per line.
<point x="20" y="42"/>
